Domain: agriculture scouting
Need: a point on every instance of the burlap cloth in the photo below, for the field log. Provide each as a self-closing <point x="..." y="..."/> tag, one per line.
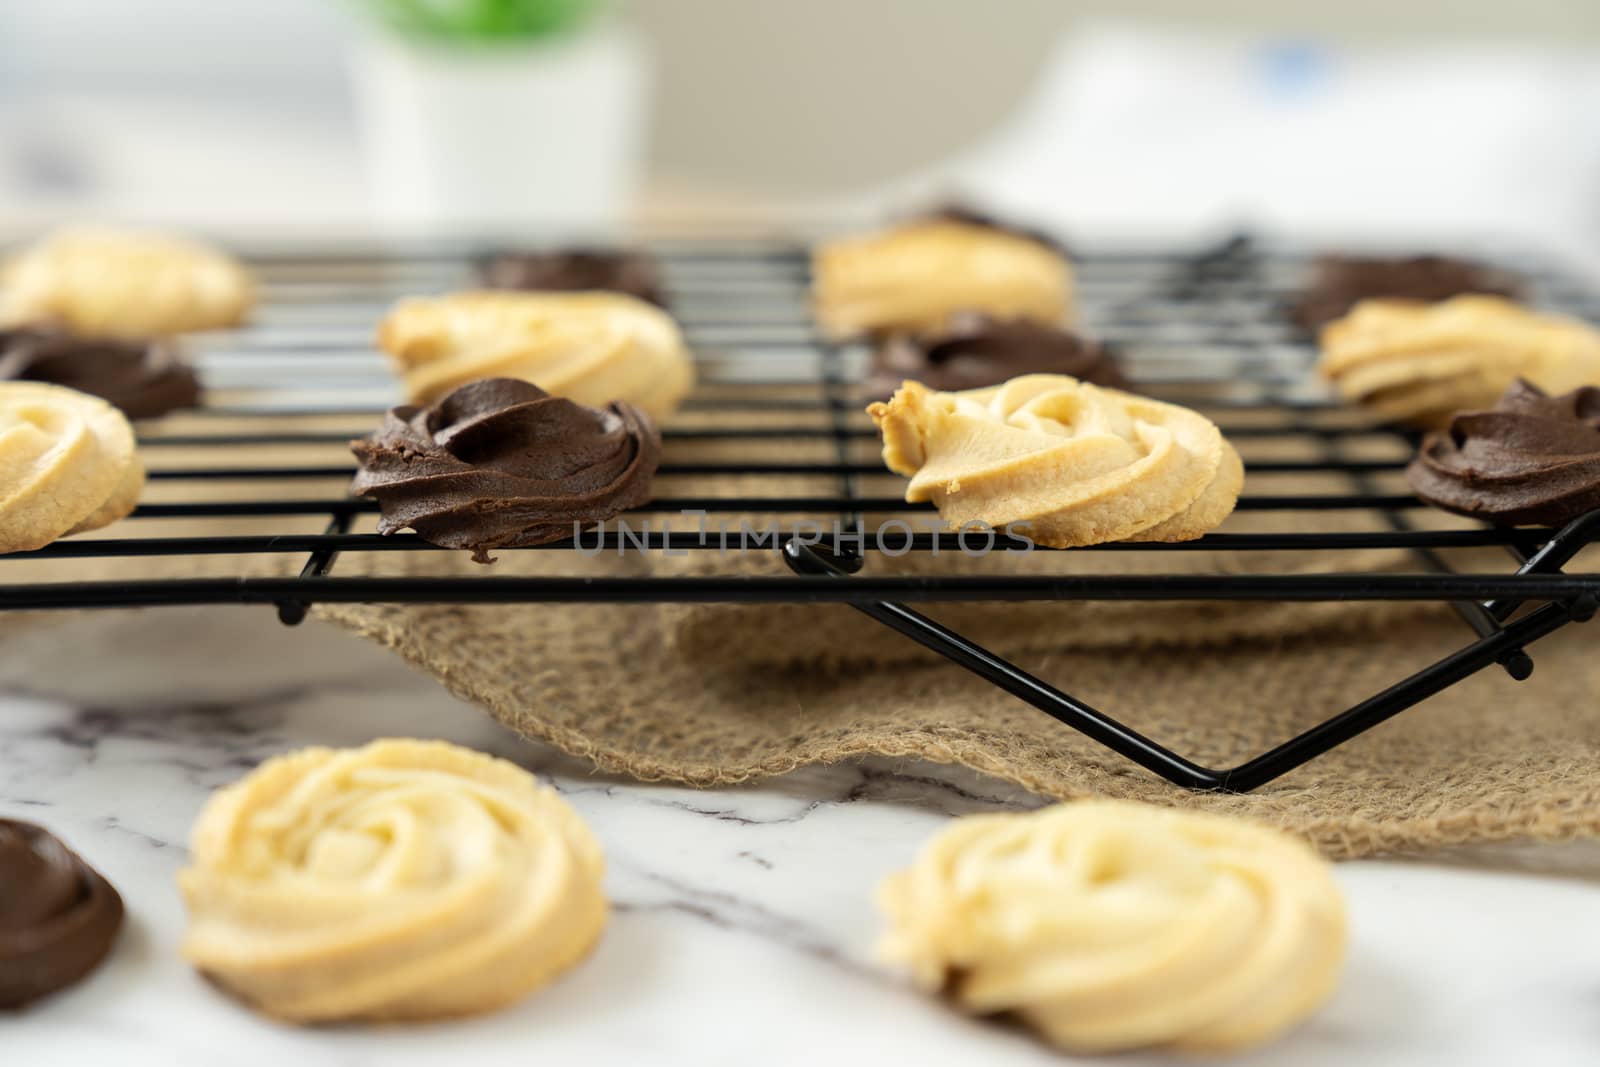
<point x="838" y="637"/>
<point x="1487" y="759"/>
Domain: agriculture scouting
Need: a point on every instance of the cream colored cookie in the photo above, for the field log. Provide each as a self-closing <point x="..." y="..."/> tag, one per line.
<point x="915" y="276"/>
<point x="1108" y="925"/>
<point x="123" y="499"/>
<point x="67" y="464"/>
<point x="1079" y="464"/>
<point x="402" y="880"/>
<point x="1421" y="363"/>
<point x="590" y="347"/>
<point x="123" y="283"/>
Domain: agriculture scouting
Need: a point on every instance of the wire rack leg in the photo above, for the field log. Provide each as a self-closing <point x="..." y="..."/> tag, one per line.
<point x="1122" y="739"/>
<point x="293" y="612"/>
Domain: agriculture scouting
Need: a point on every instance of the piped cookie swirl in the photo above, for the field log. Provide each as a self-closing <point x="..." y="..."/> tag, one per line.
<point x="916" y="276"/>
<point x="1532" y="458"/>
<point x="1080" y="465"/>
<point x="1342" y="282"/>
<point x="131" y="284"/>
<point x="68" y="464"/>
<point x="143" y="379"/>
<point x="1422" y="363"/>
<point x="403" y="880"/>
<point x="978" y="350"/>
<point x="58" y="916"/>
<point x="576" y="270"/>
<point x="500" y="464"/>
<point x="593" y="347"/>
<point x="1108" y="925"/>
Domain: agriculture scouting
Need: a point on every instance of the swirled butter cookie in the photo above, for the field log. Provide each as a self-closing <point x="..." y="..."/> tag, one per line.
<point x="1080" y="465"/>
<point x="594" y="348"/>
<point x="402" y="880"/>
<point x="1421" y="363"/>
<point x="67" y="464"/>
<point x="914" y="277"/>
<point x="1108" y="925"/>
<point x="123" y="284"/>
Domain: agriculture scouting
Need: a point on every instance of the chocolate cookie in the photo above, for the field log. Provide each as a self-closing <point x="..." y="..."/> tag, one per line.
<point x="501" y="463"/>
<point x="1534" y="458"/>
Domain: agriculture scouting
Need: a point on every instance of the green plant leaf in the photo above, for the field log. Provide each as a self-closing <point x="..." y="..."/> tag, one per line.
<point x="482" y="20"/>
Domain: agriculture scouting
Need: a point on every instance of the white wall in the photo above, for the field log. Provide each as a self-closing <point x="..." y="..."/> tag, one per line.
<point x="786" y="96"/>
<point x="285" y="52"/>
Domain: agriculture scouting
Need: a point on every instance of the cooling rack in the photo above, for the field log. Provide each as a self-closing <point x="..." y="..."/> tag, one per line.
<point x="1207" y="329"/>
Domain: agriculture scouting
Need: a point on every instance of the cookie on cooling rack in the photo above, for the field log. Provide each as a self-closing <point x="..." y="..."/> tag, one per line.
<point x="594" y="348"/>
<point x="1078" y="464"/>
<point x="306" y="903"/>
<point x="913" y="277"/>
<point x="1339" y="283"/>
<point x="1108" y="925"/>
<point x="1421" y="363"/>
<point x="965" y="212"/>
<point x="574" y="270"/>
<point x="977" y="350"/>
<point x="69" y="464"/>
<point x="501" y="463"/>
<point x="123" y="283"/>
<point x="144" y="379"/>
<point x="1532" y="458"/>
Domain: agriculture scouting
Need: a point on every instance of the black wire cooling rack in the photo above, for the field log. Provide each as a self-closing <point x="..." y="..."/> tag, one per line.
<point x="1206" y="329"/>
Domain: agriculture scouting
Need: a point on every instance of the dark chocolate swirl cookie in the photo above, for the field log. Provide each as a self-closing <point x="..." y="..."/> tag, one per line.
<point x="959" y="211"/>
<point x="501" y="463"/>
<point x="978" y="350"/>
<point x="1339" y="283"/>
<point x="143" y="378"/>
<point x="1532" y="459"/>
<point x="576" y="270"/>
<point x="58" y="916"/>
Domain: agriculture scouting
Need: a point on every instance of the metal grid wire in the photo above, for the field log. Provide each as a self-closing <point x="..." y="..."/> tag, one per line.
<point x="1208" y="330"/>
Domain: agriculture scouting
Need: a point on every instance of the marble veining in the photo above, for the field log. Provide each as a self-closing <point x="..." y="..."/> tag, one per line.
<point x="744" y="923"/>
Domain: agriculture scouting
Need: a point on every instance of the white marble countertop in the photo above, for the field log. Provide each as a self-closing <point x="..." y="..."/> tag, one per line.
<point x="744" y="923"/>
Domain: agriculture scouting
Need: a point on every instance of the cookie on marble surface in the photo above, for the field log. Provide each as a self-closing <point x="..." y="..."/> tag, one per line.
<point x="1075" y="463"/>
<point x="68" y="464"/>
<point x="59" y="917"/>
<point x="129" y="284"/>
<point x="404" y="880"/>
<point x="1421" y="363"/>
<point x="594" y="348"/>
<point x="1109" y="925"/>
<point x="915" y="276"/>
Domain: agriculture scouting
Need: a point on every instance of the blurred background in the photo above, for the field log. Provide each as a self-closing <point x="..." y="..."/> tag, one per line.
<point x="1364" y="118"/>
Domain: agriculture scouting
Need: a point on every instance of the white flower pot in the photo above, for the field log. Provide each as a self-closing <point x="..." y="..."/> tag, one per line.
<point x="482" y="140"/>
